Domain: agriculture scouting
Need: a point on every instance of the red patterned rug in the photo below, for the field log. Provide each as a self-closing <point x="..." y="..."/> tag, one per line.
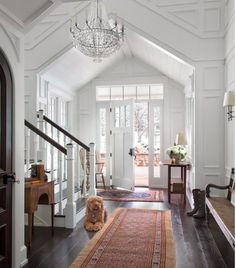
<point x="125" y="195"/>
<point x="132" y="238"/>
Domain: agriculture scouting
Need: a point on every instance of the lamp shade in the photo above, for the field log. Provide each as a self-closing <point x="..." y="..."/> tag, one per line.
<point x="180" y="139"/>
<point x="229" y="99"/>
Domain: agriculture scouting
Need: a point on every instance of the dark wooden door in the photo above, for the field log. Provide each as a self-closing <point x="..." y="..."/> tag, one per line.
<point x="5" y="162"/>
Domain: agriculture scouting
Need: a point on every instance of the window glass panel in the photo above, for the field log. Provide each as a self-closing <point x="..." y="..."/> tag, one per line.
<point x="122" y="116"/>
<point x="117" y="93"/>
<point x="127" y="115"/>
<point x="141" y="142"/>
<point x="156" y="91"/>
<point x="143" y="92"/>
<point x="102" y="130"/>
<point x="129" y="92"/>
<point x="157" y="141"/>
<point x="117" y="117"/>
<point x="103" y="93"/>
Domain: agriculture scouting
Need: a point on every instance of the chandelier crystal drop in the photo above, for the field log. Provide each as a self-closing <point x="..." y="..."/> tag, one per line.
<point x="97" y="38"/>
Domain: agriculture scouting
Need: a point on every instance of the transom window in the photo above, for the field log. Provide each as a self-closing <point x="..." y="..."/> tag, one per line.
<point x="137" y="92"/>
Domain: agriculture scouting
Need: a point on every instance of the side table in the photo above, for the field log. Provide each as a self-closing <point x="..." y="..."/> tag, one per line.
<point x="177" y="187"/>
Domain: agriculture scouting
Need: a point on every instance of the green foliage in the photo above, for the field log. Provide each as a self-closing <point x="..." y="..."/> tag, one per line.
<point x="177" y="150"/>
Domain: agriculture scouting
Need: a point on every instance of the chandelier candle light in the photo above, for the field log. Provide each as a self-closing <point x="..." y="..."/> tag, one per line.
<point x="97" y="38"/>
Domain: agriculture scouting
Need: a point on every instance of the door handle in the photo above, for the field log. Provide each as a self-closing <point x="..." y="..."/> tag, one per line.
<point x="9" y="178"/>
<point x="131" y="152"/>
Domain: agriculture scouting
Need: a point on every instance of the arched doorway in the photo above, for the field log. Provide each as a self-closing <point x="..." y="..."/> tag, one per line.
<point x="6" y="105"/>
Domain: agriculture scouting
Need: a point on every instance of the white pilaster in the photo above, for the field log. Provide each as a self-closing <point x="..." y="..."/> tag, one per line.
<point x="27" y="151"/>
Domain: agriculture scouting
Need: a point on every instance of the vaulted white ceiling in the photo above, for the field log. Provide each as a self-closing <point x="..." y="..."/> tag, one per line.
<point x="73" y="70"/>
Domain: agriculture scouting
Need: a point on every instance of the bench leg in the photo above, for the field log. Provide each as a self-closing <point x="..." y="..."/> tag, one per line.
<point x="207" y="215"/>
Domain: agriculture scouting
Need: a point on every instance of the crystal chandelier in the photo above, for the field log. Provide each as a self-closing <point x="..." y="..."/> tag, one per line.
<point x="97" y="38"/>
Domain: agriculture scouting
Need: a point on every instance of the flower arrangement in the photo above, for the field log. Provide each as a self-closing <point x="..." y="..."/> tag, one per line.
<point x="177" y="152"/>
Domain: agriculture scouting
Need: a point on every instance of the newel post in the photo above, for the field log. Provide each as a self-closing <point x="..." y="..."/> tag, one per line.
<point x="42" y="144"/>
<point x="92" y="189"/>
<point x="70" y="209"/>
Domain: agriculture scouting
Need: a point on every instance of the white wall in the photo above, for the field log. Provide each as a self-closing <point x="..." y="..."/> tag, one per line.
<point x="134" y="71"/>
<point x="12" y="45"/>
<point x="229" y="69"/>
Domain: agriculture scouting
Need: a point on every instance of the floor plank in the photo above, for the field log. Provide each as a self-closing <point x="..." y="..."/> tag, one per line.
<point x="195" y="246"/>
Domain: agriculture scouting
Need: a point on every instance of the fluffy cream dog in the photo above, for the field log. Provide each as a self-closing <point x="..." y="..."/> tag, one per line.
<point x="95" y="214"/>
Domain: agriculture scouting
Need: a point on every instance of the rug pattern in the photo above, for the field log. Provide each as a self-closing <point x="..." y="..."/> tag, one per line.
<point x="137" y="196"/>
<point x="123" y="243"/>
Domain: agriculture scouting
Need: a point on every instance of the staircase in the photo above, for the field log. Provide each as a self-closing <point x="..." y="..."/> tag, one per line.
<point x="60" y="152"/>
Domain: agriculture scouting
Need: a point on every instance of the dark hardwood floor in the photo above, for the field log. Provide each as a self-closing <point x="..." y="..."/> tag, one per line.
<point x="195" y="246"/>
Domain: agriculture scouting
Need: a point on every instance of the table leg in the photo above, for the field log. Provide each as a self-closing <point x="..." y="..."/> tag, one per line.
<point x="169" y="182"/>
<point x="184" y="171"/>
<point x="52" y="217"/>
<point x="32" y="223"/>
<point x="30" y="228"/>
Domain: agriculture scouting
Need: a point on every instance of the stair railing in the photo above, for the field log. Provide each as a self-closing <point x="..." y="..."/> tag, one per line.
<point x="40" y="153"/>
<point x="63" y="136"/>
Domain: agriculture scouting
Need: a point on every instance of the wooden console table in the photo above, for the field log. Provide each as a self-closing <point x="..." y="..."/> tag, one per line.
<point x="177" y="187"/>
<point x="38" y="192"/>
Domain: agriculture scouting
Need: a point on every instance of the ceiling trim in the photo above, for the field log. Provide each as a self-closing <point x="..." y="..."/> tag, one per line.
<point x="10" y="16"/>
<point x="55" y="25"/>
<point x="166" y="14"/>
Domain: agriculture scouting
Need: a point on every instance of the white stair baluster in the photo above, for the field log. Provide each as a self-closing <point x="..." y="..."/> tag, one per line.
<point x="52" y="157"/>
<point x="42" y="152"/>
<point x="92" y="189"/>
<point x="84" y="177"/>
<point x="70" y="210"/>
<point x="60" y="175"/>
<point x="79" y="167"/>
<point x="36" y="147"/>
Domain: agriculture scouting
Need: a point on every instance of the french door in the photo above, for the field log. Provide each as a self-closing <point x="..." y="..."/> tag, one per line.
<point x="118" y="141"/>
<point x="5" y="163"/>
<point x="122" y="144"/>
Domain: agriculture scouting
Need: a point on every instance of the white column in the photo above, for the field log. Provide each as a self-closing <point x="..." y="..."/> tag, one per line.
<point x="42" y="144"/>
<point x="70" y="210"/>
<point x="92" y="189"/>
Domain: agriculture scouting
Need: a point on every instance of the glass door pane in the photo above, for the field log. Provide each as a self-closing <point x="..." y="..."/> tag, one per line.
<point x="101" y="153"/>
<point x="141" y="143"/>
<point x="157" y="141"/>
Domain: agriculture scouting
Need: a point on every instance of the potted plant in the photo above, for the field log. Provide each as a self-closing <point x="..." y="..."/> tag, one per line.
<point x="177" y="152"/>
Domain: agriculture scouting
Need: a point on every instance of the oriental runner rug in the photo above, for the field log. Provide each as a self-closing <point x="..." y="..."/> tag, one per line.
<point x="132" y="238"/>
<point x="132" y="196"/>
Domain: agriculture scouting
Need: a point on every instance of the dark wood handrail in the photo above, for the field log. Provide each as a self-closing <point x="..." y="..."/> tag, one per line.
<point x="45" y="137"/>
<point x="65" y="132"/>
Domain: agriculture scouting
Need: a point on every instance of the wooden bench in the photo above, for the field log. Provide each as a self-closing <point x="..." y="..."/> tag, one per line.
<point x="222" y="209"/>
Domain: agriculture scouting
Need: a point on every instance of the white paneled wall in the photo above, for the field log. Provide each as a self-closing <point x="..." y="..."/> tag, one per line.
<point x="229" y="85"/>
<point x="209" y="138"/>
